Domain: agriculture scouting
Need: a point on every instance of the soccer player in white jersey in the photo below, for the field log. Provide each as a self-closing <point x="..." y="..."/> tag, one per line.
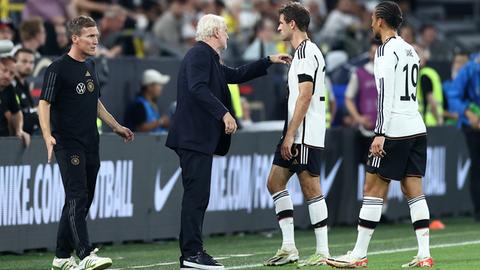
<point x="303" y="138"/>
<point x="399" y="149"/>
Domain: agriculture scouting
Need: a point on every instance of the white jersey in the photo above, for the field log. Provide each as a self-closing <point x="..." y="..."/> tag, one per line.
<point x="396" y="69"/>
<point x="308" y="64"/>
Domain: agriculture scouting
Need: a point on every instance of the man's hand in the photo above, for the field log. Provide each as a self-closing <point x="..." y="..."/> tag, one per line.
<point x="125" y="133"/>
<point x="164" y="121"/>
<point x="473" y="119"/>
<point x="377" y="146"/>
<point x="50" y="142"/>
<point x="230" y="123"/>
<point x="286" y="149"/>
<point x="365" y="122"/>
<point x="281" y="58"/>
<point x="25" y="137"/>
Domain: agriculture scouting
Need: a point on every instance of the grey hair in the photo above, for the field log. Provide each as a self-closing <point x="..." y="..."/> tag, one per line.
<point x="207" y="25"/>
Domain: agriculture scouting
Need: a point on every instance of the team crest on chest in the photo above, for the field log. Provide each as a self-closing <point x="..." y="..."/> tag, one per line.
<point x="75" y="160"/>
<point x="90" y="85"/>
<point x="80" y="88"/>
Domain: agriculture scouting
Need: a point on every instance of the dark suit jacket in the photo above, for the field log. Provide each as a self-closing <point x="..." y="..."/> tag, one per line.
<point x="203" y="99"/>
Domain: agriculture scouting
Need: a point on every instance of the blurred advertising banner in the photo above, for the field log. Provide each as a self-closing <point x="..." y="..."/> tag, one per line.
<point x="139" y="189"/>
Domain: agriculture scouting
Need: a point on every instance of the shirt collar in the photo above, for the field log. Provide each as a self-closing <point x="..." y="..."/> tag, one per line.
<point x="210" y="49"/>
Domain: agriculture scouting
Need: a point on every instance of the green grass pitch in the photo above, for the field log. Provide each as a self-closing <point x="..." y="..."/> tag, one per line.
<point x="457" y="247"/>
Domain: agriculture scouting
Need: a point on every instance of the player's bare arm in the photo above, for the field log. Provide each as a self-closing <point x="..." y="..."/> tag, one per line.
<point x="121" y="131"/>
<point x="301" y="107"/>
<point x="44" y="119"/>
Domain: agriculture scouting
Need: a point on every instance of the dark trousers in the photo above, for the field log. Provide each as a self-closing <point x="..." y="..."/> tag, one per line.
<point x="79" y="175"/>
<point x="472" y="138"/>
<point x="196" y="178"/>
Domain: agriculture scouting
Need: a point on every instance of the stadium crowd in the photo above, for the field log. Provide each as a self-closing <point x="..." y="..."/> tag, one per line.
<point x="166" y="28"/>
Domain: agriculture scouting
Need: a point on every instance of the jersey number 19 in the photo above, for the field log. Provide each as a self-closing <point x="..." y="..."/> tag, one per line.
<point x="414" y="78"/>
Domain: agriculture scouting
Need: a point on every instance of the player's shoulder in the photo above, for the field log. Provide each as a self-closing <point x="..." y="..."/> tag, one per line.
<point x="308" y="49"/>
<point x="390" y="45"/>
<point x="58" y="63"/>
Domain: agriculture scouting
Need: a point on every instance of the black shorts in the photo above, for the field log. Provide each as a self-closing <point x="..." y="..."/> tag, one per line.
<point x="305" y="159"/>
<point x="404" y="157"/>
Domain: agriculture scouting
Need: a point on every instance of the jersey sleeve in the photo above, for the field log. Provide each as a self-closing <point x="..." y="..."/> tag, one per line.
<point x="307" y="66"/>
<point x="51" y="84"/>
<point x="385" y="62"/>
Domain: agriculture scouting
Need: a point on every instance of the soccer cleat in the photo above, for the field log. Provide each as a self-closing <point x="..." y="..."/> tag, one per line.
<point x="348" y="261"/>
<point x="417" y="262"/>
<point x="315" y="260"/>
<point x="64" y="264"/>
<point x="201" y="260"/>
<point x="283" y="257"/>
<point x="93" y="262"/>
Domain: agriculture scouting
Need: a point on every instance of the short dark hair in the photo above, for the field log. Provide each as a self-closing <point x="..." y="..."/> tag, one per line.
<point x="23" y="50"/>
<point x="294" y="11"/>
<point x="30" y="28"/>
<point x="375" y="41"/>
<point x="4" y="59"/>
<point x="390" y="12"/>
<point x="75" y="25"/>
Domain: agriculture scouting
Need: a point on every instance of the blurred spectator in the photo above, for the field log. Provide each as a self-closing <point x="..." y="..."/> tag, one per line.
<point x="11" y="117"/>
<point x="428" y="36"/>
<point x="331" y="103"/>
<point x="32" y="35"/>
<point x="318" y="13"/>
<point x="246" y="119"/>
<point x="24" y="69"/>
<point x="62" y="38"/>
<point x="94" y="8"/>
<point x="111" y="36"/>
<point x="361" y="102"/>
<point x="7" y="30"/>
<point x="168" y="29"/>
<point x="460" y="59"/>
<point x="436" y="48"/>
<point x="407" y="33"/>
<point x="361" y="94"/>
<point x="263" y="43"/>
<point x="57" y="41"/>
<point x="407" y="12"/>
<point x="429" y="91"/>
<point x="464" y="99"/>
<point x="143" y="115"/>
<point x="338" y="21"/>
<point x="52" y="11"/>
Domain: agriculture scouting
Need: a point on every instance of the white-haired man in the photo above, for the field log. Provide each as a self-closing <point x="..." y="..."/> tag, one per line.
<point x="202" y="126"/>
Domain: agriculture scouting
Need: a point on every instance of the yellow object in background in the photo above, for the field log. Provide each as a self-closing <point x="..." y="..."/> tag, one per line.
<point x="236" y="102"/>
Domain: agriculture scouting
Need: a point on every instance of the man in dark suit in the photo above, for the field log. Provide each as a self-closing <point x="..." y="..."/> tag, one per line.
<point x="202" y="126"/>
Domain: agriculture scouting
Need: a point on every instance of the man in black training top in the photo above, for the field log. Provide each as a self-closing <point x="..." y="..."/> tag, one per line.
<point x="70" y="102"/>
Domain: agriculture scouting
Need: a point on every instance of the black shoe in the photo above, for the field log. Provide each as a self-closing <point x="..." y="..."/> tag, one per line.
<point x="182" y="266"/>
<point x="201" y="260"/>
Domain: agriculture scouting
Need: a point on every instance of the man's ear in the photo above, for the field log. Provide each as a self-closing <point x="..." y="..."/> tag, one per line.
<point x="74" y="38"/>
<point x="292" y="24"/>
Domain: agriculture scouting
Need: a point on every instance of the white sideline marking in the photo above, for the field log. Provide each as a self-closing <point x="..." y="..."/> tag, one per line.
<point x="260" y="265"/>
<point x="397" y="250"/>
<point x="145" y="266"/>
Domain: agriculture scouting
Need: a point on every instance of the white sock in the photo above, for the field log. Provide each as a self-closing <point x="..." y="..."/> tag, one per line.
<point x="284" y="211"/>
<point x="421" y="220"/>
<point x="368" y="219"/>
<point x="317" y="207"/>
